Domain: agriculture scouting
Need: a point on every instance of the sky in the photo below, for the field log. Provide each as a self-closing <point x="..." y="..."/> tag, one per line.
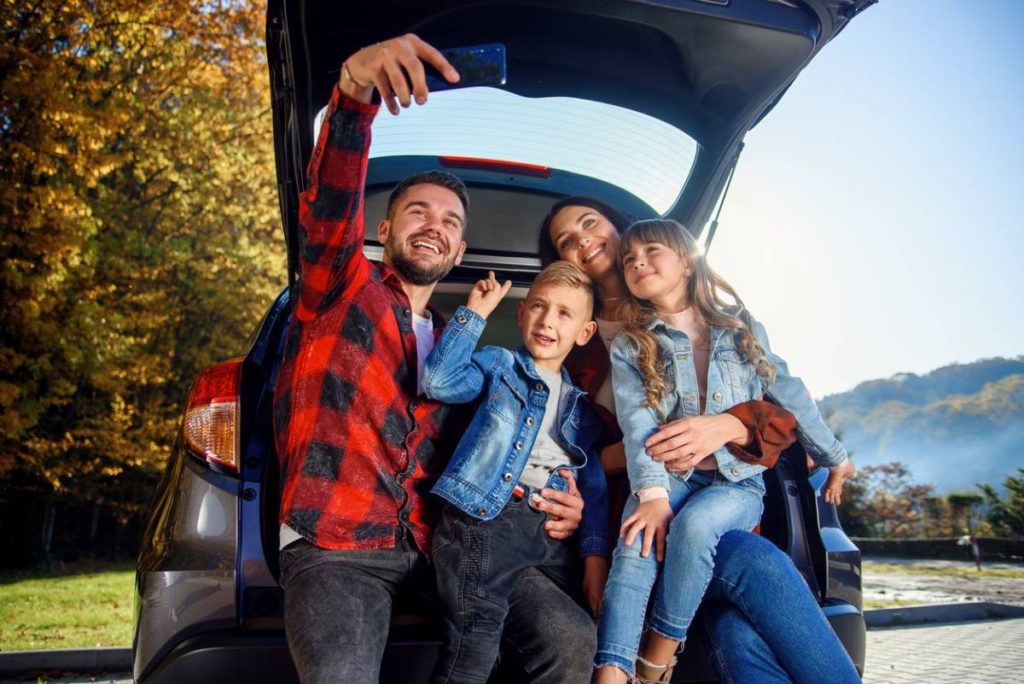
<point x="874" y="220"/>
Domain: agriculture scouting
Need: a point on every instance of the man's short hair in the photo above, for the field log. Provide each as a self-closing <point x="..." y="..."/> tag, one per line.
<point x="440" y="178"/>
<point x="568" y="275"/>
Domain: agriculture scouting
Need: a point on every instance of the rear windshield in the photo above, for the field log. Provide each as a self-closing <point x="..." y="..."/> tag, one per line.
<point x="638" y="153"/>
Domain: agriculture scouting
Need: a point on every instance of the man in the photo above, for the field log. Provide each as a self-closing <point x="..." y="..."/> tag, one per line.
<point x="355" y="437"/>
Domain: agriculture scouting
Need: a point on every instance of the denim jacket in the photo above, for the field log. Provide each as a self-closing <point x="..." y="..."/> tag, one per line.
<point x="731" y="381"/>
<point x="493" y="452"/>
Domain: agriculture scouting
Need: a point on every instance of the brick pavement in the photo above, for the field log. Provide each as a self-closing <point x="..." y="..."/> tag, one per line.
<point x="971" y="652"/>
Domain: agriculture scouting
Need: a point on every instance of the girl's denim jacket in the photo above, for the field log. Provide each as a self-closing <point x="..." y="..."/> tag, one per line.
<point x="731" y="381"/>
<point x="492" y="454"/>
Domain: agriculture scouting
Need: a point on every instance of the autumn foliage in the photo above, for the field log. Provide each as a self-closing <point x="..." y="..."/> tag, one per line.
<point x="139" y="230"/>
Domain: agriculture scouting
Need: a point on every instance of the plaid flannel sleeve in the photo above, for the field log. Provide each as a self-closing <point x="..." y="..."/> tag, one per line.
<point x="331" y="227"/>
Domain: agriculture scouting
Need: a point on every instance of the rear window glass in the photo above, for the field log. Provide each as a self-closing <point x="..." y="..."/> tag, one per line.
<point x="638" y="153"/>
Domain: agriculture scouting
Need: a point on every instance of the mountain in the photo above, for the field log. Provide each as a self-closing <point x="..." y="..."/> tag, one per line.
<point x="956" y="426"/>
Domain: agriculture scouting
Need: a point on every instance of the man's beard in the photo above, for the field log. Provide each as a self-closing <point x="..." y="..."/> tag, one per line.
<point x="414" y="271"/>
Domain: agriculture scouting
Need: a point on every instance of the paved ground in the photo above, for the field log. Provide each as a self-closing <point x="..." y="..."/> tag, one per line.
<point x="975" y="652"/>
<point x="966" y="653"/>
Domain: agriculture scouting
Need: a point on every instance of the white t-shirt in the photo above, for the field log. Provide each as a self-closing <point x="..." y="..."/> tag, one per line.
<point x="547" y="452"/>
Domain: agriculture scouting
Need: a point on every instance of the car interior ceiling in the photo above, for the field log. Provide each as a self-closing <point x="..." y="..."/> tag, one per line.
<point x="704" y="74"/>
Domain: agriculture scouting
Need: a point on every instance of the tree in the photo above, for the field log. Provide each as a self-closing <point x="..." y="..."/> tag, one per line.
<point x="139" y="228"/>
<point x="1006" y="515"/>
<point x="883" y="502"/>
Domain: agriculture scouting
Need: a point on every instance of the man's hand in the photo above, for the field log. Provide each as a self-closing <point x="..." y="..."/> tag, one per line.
<point x="395" y="68"/>
<point x="595" y="576"/>
<point x="836" y="479"/>
<point x="652" y="518"/>
<point x="564" y="508"/>
<point x="486" y="294"/>
<point x="684" y="443"/>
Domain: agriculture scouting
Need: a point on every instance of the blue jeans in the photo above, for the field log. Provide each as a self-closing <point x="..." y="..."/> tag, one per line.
<point x="713" y="506"/>
<point x="479" y="564"/>
<point x="764" y="626"/>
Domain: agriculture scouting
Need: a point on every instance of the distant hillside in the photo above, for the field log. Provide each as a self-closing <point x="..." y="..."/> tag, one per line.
<point x="954" y="427"/>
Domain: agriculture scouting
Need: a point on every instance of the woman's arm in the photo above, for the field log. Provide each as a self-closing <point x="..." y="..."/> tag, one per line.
<point x="754" y="431"/>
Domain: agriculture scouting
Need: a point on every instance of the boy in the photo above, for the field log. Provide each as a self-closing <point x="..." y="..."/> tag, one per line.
<point x="531" y="426"/>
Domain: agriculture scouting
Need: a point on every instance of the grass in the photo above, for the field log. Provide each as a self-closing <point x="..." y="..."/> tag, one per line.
<point x="873" y="567"/>
<point x="86" y="609"/>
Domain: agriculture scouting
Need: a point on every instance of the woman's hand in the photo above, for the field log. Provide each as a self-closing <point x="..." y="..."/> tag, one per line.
<point x="595" y="576"/>
<point x="564" y="508"/>
<point x="395" y="68"/>
<point x="682" y="444"/>
<point x="652" y="518"/>
<point x="836" y="479"/>
<point x="486" y="294"/>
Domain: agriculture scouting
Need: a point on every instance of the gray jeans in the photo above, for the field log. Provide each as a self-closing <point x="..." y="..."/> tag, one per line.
<point x="337" y="609"/>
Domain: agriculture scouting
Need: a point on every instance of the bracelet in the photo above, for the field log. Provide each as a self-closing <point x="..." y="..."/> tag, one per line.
<point x="345" y="73"/>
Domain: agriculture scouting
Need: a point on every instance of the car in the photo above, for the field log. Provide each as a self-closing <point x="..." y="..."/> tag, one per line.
<point x="645" y="104"/>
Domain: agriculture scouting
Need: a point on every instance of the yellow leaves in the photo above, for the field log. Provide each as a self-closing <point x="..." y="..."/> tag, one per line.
<point x="139" y="229"/>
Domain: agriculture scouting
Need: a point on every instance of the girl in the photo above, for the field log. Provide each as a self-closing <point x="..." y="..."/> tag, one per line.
<point x="685" y="351"/>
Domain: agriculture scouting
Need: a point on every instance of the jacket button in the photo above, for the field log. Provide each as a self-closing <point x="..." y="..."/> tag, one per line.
<point x="518" y="446"/>
<point x="735" y="470"/>
<point x="481" y="511"/>
<point x="529" y="420"/>
<point x="717" y="396"/>
<point x="539" y="387"/>
<point x="461" y="320"/>
<point x="507" y="477"/>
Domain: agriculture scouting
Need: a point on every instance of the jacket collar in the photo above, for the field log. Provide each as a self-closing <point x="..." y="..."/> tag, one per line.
<point x="529" y="367"/>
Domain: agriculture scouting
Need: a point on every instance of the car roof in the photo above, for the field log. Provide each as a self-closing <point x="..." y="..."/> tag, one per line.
<point x="710" y="68"/>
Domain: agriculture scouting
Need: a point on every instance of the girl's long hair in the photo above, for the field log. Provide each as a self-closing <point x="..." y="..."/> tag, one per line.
<point x="704" y="292"/>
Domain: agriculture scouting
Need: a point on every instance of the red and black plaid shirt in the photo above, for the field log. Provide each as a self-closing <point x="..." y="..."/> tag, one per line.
<point x="355" y="443"/>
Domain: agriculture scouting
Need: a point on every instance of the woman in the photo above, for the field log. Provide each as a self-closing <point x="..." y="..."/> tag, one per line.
<point x="749" y="631"/>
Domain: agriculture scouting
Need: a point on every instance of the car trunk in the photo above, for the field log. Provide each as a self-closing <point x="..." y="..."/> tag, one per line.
<point x="709" y="68"/>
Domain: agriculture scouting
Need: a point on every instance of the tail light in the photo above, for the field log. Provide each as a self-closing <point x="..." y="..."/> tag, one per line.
<point x="211" y="427"/>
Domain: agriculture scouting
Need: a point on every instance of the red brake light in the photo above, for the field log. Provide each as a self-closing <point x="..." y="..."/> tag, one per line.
<point x="518" y="168"/>
<point x="212" y="414"/>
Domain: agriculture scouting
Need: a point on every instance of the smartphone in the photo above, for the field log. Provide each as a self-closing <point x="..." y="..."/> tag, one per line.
<point x="478" y="65"/>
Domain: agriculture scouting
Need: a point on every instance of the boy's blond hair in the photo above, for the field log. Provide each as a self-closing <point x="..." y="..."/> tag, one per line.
<point x="568" y="275"/>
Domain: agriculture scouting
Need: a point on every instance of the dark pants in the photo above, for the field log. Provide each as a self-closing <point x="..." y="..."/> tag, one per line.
<point x="480" y="569"/>
<point x="337" y="608"/>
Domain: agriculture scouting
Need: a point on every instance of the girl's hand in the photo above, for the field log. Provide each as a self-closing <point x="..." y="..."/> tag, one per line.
<point x="836" y="479"/>
<point x="595" y="576"/>
<point x="684" y="443"/>
<point x="652" y="518"/>
<point x="486" y="294"/>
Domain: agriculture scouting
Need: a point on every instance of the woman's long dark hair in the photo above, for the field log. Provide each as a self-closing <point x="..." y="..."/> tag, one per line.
<point x="546" y="248"/>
